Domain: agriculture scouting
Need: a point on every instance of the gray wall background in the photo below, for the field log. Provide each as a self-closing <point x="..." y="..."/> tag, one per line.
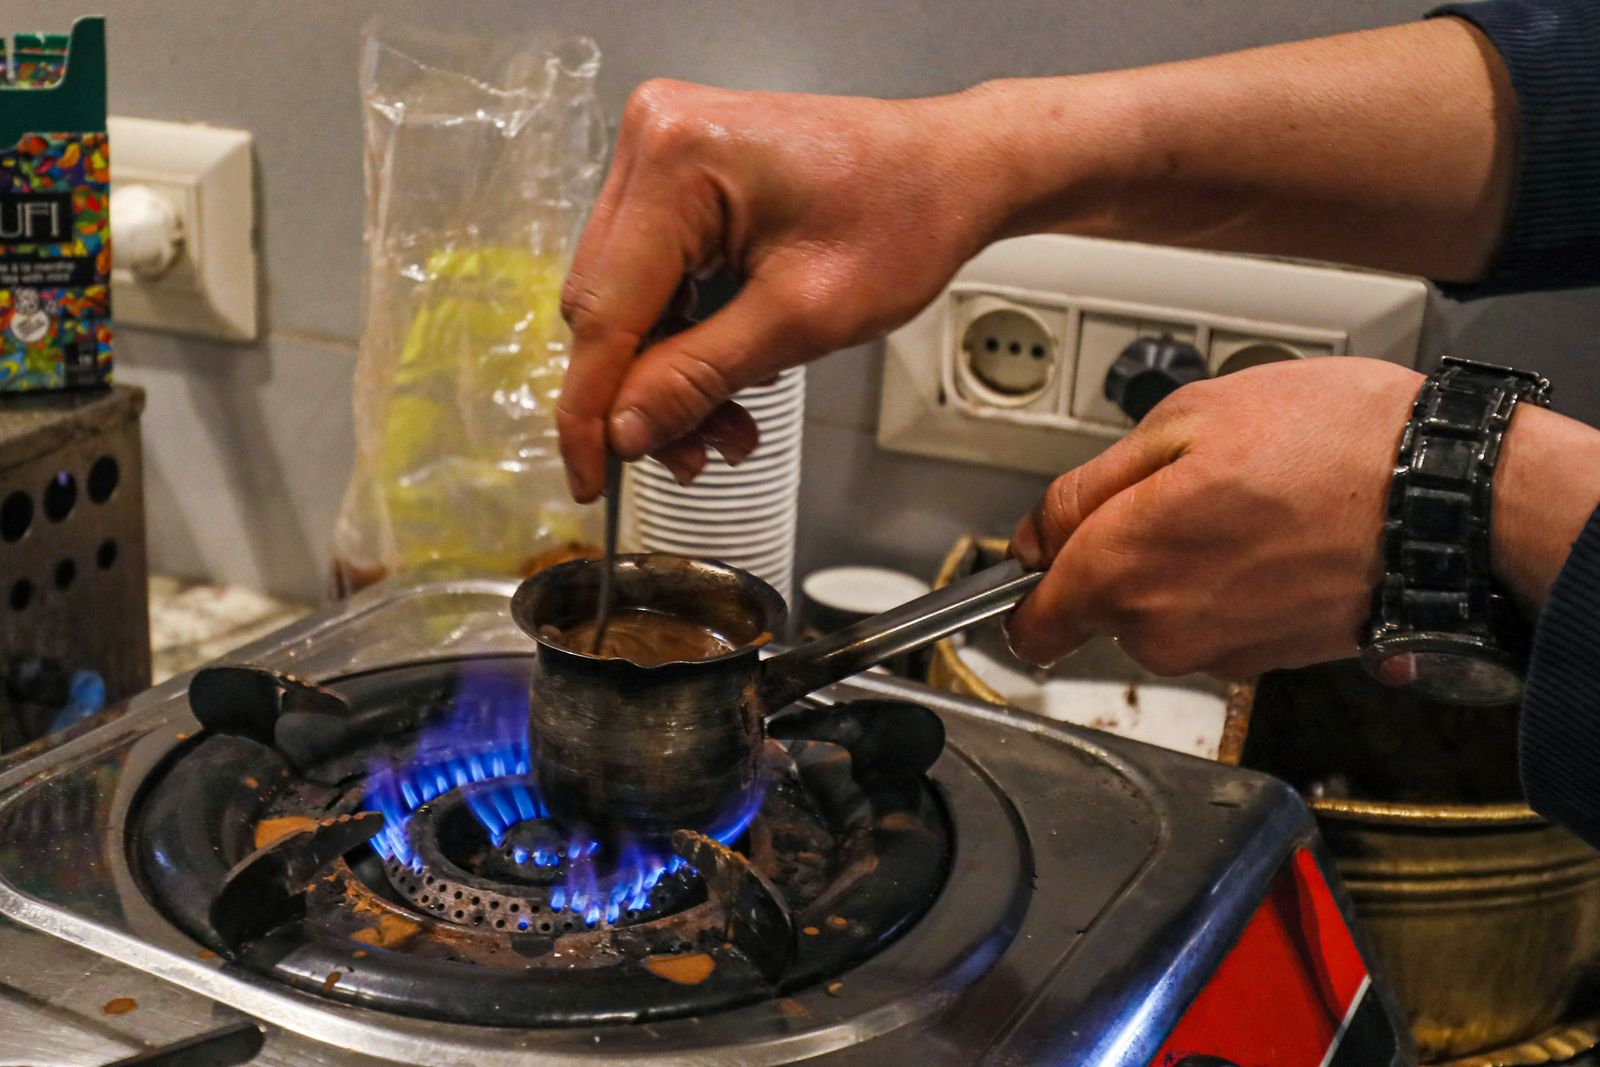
<point x="248" y="447"/>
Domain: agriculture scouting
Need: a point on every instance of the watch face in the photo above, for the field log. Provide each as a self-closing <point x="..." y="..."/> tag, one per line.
<point x="1452" y="675"/>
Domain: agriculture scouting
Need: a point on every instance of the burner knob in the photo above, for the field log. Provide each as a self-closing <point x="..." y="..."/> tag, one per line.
<point x="1149" y="369"/>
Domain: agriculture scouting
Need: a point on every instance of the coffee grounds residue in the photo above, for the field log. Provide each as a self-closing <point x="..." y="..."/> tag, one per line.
<point x="690" y="969"/>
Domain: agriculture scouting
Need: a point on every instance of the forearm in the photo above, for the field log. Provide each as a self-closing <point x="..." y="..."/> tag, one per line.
<point x="1391" y="148"/>
<point x="1546" y="486"/>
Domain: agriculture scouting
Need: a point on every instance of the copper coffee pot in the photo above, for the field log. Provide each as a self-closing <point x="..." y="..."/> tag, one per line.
<point x="633" y="751"/>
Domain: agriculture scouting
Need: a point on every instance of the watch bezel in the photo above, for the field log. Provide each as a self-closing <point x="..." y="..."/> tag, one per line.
<point x="1486" y="654"/>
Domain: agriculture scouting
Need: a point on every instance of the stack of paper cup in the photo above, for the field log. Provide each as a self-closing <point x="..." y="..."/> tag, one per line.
<point x="743" y="516"/>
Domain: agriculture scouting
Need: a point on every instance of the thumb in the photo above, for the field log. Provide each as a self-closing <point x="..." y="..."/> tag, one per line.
<point x="677" y="383"/>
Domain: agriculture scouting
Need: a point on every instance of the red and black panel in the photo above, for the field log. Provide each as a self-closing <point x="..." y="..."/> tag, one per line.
<point x="1293" y="992"/>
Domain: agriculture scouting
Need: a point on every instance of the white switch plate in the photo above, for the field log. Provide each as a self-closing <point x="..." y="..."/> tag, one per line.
<point x="205" y="172"/>
<point x="1098" y="296"/>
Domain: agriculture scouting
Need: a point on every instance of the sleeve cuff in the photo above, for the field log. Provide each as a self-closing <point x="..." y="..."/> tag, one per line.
<point x="1560" y="727"/>
<point x="1552" y="50"/>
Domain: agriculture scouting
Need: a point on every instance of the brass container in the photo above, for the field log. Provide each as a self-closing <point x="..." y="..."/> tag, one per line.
<point x="945" y="669"/>
<point x="1484" y="916"/>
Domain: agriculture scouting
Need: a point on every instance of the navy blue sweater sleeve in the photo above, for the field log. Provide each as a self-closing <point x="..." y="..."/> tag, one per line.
<point x="1560" y="727"/>
<point x="1552" y="50"/>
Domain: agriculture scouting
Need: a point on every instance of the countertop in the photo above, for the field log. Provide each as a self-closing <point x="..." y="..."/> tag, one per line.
<point x="193" y="623"/>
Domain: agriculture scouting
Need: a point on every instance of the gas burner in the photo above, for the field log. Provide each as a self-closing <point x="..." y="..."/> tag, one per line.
<point x="467" y="836"/>
<point x="533" y="878"/>
<point x="483" y="853"/>
<point x="381" y="842"/>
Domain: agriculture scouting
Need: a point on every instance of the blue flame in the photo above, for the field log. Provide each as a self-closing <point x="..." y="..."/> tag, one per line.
<point x="484" y="738"/>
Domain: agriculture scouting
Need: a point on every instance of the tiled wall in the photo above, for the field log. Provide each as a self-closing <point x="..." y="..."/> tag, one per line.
<point x="249" y="446"/>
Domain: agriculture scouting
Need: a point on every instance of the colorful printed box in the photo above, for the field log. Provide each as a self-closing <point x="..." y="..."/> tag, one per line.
<point x="55" y="206"/>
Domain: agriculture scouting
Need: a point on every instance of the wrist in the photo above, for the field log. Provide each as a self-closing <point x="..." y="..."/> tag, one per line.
<point x="1545" y="489"/>
<point x="1062" y="154"/>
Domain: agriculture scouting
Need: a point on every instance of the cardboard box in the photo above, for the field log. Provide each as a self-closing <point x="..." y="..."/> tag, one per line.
<point x="55" y="208"/>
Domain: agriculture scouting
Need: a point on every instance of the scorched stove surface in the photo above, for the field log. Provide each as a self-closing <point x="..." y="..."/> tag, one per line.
<point x="1040" y="894"/>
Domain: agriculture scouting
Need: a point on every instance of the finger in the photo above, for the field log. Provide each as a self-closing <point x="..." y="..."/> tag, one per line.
<point x="596" y="235"/>
<point x="731" y="431"/>
<point x="673" y="387"/>
<point x="1074" y="496"/>
<point x="685" y="458"/>
<point x="611" y="304"/>
<point x="1066" y="608"/>
<point x="597" y="228"/>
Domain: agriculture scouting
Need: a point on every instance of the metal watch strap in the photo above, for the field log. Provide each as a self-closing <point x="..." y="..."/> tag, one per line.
<point x="1436" y="535"/>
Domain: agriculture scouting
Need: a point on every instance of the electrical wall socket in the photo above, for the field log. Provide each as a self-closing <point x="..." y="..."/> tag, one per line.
<point x="1007" y="367"/>
<point x="1009" y="352"/>
<point x="205" y="175"/>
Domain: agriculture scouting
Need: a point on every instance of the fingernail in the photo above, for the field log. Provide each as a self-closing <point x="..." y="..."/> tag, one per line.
<point x="691" y="470"/>
<point x="1027" y="656"/>
<point x="631" y="434"/>
<point x="1011" y="644"/>
<point x="683" y="474"/>
<point x="575" y="487"/>
<point x="1025" y="546"/>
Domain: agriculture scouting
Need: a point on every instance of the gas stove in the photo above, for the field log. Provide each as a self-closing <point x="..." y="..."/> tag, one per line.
<point x="334" y="836"/>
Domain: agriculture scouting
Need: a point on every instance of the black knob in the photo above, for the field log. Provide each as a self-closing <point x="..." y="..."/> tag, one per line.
<point x="1149" y="369"/>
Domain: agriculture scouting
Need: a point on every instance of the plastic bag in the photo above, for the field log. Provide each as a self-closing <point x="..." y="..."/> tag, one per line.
<point x="482" y="160"/>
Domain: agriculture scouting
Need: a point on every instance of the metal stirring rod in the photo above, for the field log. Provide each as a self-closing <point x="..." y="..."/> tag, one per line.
<point x="608" y="592"/>
<point x="677" y="317"/>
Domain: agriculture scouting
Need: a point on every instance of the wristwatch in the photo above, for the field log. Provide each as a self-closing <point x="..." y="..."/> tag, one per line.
<point x="1441" y="626"/>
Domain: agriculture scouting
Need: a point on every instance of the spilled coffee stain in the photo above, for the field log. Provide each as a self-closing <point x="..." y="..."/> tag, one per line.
<point x="332" y="980"/>
<point x="690" y="969"/>
<point x="270" y="830"/>
<point x="119" y="1006"/>
<point x="390" y="931"/>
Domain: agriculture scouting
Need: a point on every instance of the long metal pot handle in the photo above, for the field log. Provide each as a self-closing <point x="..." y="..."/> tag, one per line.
<point x="788" y="677"/>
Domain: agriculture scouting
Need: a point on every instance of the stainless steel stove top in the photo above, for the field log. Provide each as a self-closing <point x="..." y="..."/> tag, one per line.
<point x="1094" y="907"/>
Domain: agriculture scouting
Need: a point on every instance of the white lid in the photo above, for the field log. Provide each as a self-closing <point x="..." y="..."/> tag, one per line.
<point x="862" y="590"/>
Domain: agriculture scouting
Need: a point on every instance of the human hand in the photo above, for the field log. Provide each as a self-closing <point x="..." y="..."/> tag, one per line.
<point x="1234" y="530"/>
<point x="843" y="217"/>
